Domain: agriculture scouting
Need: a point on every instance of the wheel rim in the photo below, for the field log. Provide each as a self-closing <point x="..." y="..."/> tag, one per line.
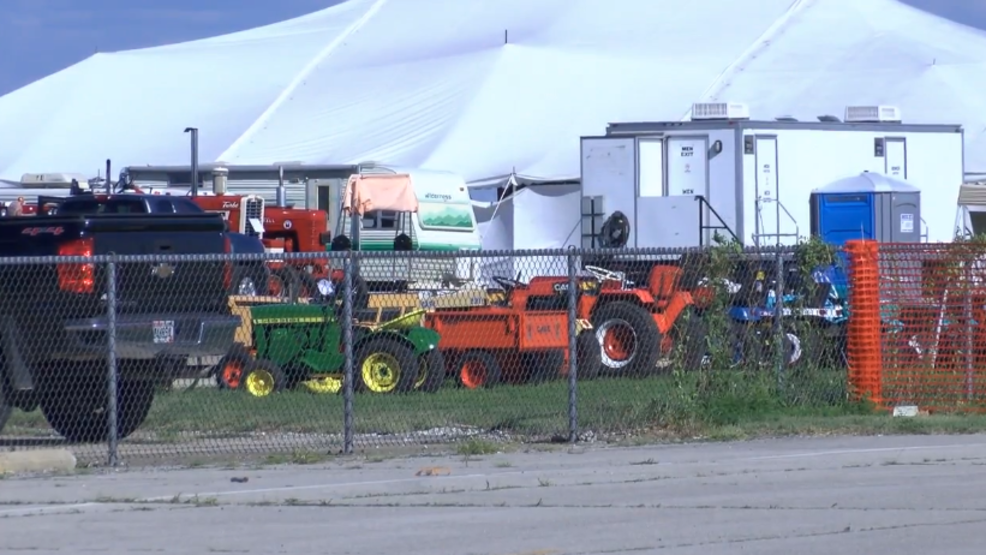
<point x="324" y="385"/>
<point x="473" y="374"/>
<point x="618" y="342"/>
<point x="260" y="383"/>
<point x="232" y="374"/>
<point x="794" y="345"/>
<point x="246" y="287"/>
<point x="381" y="372"/>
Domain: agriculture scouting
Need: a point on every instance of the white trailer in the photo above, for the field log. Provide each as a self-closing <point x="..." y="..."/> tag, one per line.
<point x="678" y="181"/>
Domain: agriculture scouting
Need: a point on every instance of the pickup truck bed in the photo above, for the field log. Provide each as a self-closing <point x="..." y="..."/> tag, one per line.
<point x="54" y="320"/>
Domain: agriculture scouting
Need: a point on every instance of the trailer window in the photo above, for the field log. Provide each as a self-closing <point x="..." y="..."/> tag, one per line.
<point x="446" y="216"/>
<point x="380" y="219"/>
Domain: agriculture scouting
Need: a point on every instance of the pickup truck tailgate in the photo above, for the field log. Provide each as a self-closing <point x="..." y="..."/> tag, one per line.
<point x="172" y="287"/>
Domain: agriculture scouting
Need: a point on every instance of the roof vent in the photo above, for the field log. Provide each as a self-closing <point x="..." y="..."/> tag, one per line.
<point x="829" y="119"/>
<point x="719" y="111"/>
<point x="873" y="114"/>
<point x="786" y="118"/>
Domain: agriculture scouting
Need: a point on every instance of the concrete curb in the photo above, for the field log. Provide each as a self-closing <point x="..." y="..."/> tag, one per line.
<point x="40" y="460"/>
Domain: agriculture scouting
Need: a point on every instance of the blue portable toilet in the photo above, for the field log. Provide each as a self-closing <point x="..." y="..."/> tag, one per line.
<point x="866" y="206"/>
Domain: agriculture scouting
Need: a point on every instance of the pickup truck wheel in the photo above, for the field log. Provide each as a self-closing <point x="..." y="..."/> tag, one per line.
<point x="77" y="407"/>
<point x="385" y="365"/>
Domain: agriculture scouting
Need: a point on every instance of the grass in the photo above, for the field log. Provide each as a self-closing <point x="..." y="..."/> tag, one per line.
<point x="716" y="406"/>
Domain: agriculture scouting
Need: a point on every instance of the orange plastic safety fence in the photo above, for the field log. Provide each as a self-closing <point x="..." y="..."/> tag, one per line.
<point x="863" y="341"/>
<point x="934" y="325"/>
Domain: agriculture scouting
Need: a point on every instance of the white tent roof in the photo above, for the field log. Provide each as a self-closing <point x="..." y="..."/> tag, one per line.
<point x="487" y="88"/>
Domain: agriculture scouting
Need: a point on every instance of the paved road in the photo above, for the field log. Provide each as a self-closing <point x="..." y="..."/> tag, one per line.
<point x="817" y="496"/>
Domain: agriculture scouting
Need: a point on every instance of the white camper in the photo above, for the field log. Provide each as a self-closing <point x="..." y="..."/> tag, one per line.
<point x="444" y="222"/>
<point x="679" y="183"/>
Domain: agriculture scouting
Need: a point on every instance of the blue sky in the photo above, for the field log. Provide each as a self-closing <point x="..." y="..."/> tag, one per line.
<point x="40" y="37"/>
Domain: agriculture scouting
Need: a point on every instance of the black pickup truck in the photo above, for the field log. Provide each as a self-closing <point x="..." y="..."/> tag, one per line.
<point x="54" y="319"/>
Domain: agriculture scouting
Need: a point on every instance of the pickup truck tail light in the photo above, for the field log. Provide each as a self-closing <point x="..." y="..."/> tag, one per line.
<point x="228" y="266"/>
<point x="76" y="277"/>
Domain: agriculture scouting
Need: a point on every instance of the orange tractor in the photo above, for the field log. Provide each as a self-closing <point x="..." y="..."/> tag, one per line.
<point x="522" y="335"/>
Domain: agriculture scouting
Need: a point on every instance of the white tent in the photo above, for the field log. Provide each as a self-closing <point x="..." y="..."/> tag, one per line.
<point x="542" y="217"/>
<point x="490" y="88"/>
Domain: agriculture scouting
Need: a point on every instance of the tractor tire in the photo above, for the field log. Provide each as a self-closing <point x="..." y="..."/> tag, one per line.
<point x="629" y="341"/>
<point x="589" y="357"/>
<point x="230" y="369"/>
<point x="478" y="369"/>
<point x="431" y="372"/>
<point x="262" y="378"/>
<point x="385" y="365"/>
<point x="76" y="406"/>
<point x="543" y="366"/>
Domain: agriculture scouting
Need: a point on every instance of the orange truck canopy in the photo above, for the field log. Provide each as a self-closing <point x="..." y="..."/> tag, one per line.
<point x="380" y="192"/>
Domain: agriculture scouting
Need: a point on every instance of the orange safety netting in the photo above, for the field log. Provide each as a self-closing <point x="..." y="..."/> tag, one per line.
<point x="917" y="327"/>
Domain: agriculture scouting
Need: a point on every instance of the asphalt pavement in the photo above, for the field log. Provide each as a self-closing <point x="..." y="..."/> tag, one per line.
<point x="804" y="496"/>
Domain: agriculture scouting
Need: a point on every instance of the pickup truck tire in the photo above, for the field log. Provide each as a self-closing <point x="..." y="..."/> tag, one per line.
<point x="76" y="407"/>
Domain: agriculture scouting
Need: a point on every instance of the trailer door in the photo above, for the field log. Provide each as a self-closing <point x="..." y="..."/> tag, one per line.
<point x="895" y="157"/>
<point x="687" y="166"/>
<point x="768" y="205"/>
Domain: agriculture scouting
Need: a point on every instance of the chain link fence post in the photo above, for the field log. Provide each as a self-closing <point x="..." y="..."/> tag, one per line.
<point x="573" y="411"/>
<point x="347" y="351"/>
<point x="112" y="377"/>
<point x="779" y="334"/>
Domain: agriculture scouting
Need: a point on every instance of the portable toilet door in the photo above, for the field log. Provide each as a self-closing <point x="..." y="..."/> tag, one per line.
<point x="866" y="206"/>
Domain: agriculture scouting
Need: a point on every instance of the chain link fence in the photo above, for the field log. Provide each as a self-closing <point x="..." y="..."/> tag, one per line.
<point x="918" y="327"/>
<point x="158" y="357"/>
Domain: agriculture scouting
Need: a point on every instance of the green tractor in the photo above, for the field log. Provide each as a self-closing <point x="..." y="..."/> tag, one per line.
<point x="301" y="344"/>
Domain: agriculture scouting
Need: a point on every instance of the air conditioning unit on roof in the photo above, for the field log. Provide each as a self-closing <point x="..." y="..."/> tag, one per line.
<point x="873" y="114"/>
<point x="56" y="179"/>
<point x="720" y="111"/>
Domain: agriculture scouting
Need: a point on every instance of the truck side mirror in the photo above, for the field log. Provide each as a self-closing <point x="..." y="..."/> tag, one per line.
<point x="324" y="238"/>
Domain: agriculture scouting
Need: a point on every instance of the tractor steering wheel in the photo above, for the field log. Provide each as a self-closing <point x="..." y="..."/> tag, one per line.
<point x="506" y="283"/>
<point x="602" y="274"/>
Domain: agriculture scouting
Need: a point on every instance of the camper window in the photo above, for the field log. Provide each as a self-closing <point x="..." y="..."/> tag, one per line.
<point x="380" y="219"/>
